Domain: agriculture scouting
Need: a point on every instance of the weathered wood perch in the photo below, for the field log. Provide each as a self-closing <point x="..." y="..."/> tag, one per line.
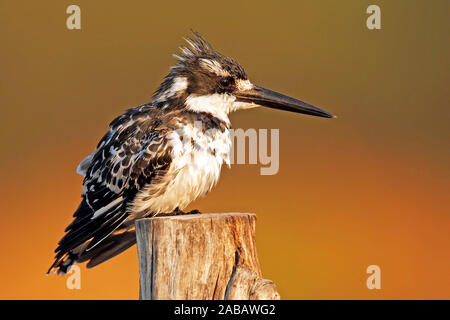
<point x="201" y="256"/>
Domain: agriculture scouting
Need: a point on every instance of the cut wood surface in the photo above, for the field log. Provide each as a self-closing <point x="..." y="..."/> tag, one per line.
<point x="200" y="256"/>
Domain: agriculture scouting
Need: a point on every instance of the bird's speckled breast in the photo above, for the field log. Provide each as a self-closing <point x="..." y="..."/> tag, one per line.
<point x="198" y="153"/>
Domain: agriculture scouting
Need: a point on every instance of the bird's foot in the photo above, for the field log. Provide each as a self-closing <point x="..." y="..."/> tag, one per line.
<point x="178" y="212"/>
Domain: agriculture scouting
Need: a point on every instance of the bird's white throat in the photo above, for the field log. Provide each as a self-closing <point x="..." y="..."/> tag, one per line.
<point x="218" y="104"/>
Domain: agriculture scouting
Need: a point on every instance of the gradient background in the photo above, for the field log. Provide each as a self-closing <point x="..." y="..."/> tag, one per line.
<point x="371" y="187"/>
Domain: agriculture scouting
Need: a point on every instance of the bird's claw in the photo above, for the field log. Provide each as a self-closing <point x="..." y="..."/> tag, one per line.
<point x="178" y="212"/>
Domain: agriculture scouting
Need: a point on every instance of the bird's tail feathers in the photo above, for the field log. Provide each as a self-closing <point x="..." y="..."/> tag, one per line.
<point x="110" y="247"/>
<point x="62" y="265"/>
<point x="115" y="243"/>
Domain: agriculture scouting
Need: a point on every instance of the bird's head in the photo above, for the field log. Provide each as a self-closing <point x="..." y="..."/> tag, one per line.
<point x="206" y="81"/>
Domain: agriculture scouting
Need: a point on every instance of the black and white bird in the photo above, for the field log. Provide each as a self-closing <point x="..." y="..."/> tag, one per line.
<point x="158" y="157"/>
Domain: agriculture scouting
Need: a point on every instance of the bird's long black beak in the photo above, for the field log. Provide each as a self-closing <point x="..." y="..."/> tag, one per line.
<point x="268" y="98"/>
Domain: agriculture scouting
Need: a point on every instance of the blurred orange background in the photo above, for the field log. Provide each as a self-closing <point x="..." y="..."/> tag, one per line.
<point x="370" y="187"/>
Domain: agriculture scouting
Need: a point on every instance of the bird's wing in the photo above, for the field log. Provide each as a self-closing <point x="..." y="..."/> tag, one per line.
<point x="132" y="154"/>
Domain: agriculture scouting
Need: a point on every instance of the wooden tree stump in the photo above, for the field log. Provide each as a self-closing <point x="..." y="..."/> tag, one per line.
<point x="201" y="256"/>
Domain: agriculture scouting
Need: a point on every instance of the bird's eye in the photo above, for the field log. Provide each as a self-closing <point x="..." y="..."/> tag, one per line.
<point x="227" y="82"/>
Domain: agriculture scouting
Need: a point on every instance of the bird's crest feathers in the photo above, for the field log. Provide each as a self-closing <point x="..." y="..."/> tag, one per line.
<point x="198" y="47"/>
<point x="200" y="50"/>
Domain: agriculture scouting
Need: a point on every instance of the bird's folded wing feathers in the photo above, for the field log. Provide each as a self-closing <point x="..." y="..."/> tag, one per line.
<point x="84" y="165"/>
<point x="128" y="157"/>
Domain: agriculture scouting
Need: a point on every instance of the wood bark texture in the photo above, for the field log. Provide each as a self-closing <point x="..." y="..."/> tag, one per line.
<point x="200" y="256"/>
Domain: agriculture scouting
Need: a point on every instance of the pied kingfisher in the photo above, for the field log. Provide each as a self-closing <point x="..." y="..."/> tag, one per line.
<point x="158" y="157"/>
